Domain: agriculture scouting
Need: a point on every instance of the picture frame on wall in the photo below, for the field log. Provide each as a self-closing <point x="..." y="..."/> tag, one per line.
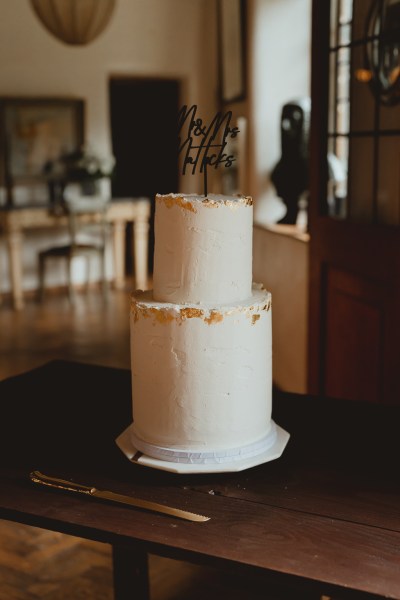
<point x="231" y="36"/>
<point x="33" y="133"/>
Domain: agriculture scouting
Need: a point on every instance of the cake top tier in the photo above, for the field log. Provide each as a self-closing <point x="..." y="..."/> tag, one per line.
<point x="203" y="248"/>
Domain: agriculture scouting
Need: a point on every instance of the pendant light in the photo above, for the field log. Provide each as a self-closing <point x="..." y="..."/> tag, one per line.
<point x="75" y="22"/>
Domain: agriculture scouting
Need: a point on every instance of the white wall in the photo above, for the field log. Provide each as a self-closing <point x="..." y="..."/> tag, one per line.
<point x="144" y="38"/>
<point x="280" y="63"/>
<point x="160" y="38"/>
<point x="279" y="72"/>
<point x="280" y="262"/>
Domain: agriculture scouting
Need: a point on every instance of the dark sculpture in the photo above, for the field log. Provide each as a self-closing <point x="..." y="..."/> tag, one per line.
<point x="290" y="174"/>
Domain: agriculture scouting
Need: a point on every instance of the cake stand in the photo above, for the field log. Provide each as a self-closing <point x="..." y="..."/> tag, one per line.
<point x="272" y="449"/>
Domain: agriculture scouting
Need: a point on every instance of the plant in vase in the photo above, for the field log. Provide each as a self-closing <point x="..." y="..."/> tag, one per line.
<point x="81" y="167"/>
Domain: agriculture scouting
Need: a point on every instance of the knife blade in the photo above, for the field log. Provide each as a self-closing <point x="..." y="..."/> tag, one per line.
<point x="62" y="484"/>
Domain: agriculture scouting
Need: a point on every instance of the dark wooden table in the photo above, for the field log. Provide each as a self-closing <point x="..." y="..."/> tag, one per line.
<point x="323" y="519"/>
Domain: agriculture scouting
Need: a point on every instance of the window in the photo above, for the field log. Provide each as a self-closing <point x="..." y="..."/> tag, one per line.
<point x="364" y="115"/>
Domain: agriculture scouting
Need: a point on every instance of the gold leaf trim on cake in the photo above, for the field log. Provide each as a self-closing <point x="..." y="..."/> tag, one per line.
<point x="167" y="315"/>
<point x="188" y="204"/>
<point x="214" y="317"/>
<point x="160" y="316"/>
<point x="180" y="201"/>
<point x="163" y="314"/>
<point x="241" y="201"/>
<point x="208" y="203"/>
<point x="191" y="313"/>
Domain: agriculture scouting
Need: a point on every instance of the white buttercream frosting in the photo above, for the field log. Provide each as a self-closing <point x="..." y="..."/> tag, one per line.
<point x="201" y="374"/>
<point x="203" y="250"/>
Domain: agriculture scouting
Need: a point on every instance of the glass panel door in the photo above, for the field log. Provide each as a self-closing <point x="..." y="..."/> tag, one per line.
<point x="364" y="111"/>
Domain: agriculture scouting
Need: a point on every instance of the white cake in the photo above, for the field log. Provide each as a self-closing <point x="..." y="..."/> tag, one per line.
<point x="201" y="341"/>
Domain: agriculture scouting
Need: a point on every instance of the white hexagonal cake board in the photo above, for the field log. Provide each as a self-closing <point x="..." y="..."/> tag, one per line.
<point x="124" y="442"/>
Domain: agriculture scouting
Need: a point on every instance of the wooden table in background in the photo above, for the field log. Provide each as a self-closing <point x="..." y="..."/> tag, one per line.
<point x="15" y="222"/>
<point x="324" y="519"/>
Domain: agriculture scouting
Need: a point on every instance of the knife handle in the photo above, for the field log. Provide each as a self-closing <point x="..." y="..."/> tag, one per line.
<point x="61" y="484"/>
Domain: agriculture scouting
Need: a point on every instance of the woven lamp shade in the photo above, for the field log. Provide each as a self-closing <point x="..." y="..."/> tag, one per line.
<point x="75" y="22"/>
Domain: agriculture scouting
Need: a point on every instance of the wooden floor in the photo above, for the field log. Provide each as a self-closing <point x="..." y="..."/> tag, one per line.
<point x="37" y="564"/>
<point x="89" y="331"/>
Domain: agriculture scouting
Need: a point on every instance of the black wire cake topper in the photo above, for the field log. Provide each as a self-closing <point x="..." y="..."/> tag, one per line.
<point x="203" y="145"/>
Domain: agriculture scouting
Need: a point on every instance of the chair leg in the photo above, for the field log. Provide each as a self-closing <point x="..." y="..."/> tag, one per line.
<point x="87" y="273"/>
<point x="69" y="276"/>
<point x="103" y="275"/>
<point x="41" y="277"/>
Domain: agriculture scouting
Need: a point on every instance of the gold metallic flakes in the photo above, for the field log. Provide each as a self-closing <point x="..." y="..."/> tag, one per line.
<point x="170" y="201"/>
<point x="187" y="204"/>
<point x="210" y="203"/>
<point x="246" y="200"/>
<point x="191" y="313"/>
<point x="242" y="200"/>
<point x="214" y="317"/>
<point x="159" y="316"/>
<point x="160" y="313"/>
<point x="168" y="315"/>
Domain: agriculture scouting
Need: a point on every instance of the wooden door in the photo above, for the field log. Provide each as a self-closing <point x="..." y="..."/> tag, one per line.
<point x="354" y="213"/>
<point x="143" y="115"/>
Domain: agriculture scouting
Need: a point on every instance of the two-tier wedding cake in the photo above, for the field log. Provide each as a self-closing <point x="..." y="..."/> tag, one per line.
<point x="201" y="344"/>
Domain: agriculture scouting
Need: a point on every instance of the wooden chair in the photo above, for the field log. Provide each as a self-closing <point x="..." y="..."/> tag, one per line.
<point x="86" y="216"/>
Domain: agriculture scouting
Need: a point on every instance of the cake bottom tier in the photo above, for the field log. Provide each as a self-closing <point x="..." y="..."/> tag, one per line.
<point x="201" y="378"/>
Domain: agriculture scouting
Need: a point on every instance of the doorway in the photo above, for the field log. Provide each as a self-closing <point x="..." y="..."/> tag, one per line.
<point x="143" y="119"/>
<point x="354" y="209"/>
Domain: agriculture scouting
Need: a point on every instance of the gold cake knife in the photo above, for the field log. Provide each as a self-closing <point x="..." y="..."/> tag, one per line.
<point x="62" y="484"/>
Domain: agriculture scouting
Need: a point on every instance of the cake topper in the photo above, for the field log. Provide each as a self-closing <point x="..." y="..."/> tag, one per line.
<point x="203" y="145"/>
